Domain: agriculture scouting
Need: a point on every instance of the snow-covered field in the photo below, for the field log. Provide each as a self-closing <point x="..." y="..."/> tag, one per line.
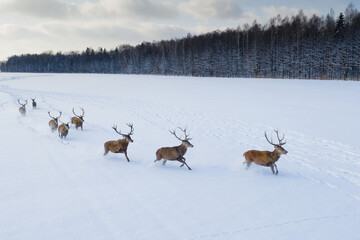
<point x="66" y="189"/>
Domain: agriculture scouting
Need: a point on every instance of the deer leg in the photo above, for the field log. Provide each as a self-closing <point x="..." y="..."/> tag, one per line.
<point x="126" y="156"/>
<point x="183" y="162"/>
<point x="164" y="162"/>
<point x="106" y="152"/>
<point x="276" y="173"/>
<point x="248" y="163"/>
<point x="272" y="168"/>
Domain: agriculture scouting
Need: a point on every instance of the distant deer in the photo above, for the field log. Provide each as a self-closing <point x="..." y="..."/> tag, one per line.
<point x="63" y="129"/>
<point x="53" y="123"/>
<point x="121" y="145"/>
<point x="22" y="109"/>
<point x="78" y="120"/>
<point x="33" y="102"/>
<point x="266" y="158"/>
<point x="175" y="153"/>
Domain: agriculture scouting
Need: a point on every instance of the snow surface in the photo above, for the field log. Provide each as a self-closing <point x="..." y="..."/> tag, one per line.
<point x="66" y="189"/>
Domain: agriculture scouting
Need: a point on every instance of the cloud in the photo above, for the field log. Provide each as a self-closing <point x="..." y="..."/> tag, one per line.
<point x="39" y="8"/>
<point x="56" y="9"/>
<point x="207" y="9"/>
<point x="269" y="12"/>
<point x="143" y="9"/>
<point x="16" y="32"/>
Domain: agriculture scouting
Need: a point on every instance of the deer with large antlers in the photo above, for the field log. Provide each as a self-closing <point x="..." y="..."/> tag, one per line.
<point x="121" y="145"/>
<point x="266" y="158"/>
<point x="33" y="102"/>
<point x="79" y="119"/>
<point x="63" y="129"/>
<point x="22" y="109"/>
<point x="175" y="153"/>
<point x="53" y="123"/>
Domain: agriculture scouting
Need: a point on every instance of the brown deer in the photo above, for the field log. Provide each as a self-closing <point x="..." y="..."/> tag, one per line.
<point x="53" y="123"/>
<point x="266" y="158"/>
<point x="63" y="129"/>
<point x="121" y="145"/>
<point x="175" y="153"/>
<point x="22" y="109"/>
<point x="78" y="120"/>
<point x="33" y="102"/>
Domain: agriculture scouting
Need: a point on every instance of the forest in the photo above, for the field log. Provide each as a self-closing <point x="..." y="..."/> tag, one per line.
<point x="301" y="47"/>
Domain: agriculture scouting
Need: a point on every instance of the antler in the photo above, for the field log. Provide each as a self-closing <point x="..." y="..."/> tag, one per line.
<point x="277" y="134"/>
<point x="55" y="117"/>
<point x="64" y="123"/>
<point x="186" y="135"/>
<point x="130" y="133"/>
<point x="83" y="112"/>
<point x="131" y="128"/>
<point x="115" y="128"/>
<point x="21" y="103"/>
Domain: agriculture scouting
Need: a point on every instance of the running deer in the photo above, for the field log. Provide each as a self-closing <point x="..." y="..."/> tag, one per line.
<point x="266" y="158"/>
<point x="22" y="109"/>
<point x="63" y="129"/>
<point x="121" y="145"/>
<point x="78" y="120"/>
<point x="33" y="102"/>
<point x="175" y="153"/>
<point x="53" y="123"/>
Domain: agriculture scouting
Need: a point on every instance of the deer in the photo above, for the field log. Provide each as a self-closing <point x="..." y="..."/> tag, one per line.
<point x="63" y="129"/>
<point x="78" y="120"/>
<point x="53" y="123"/>
<point x="266" y="158"/>
<point x="33" y="102"/>
<point x="22" y="109"/>
<point x="175" y="153"/>
<point x="120" y="145"/>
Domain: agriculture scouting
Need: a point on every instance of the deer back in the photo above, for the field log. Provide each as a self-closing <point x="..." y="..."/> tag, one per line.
<point x="77" y="121"/>
<point x="63" y="129"/>
<point x="116" y="145"/>
<point x="22" y="110"/>
<point x="172" y="153"/>
<point x="33" y="102"/>
<point x="261" y="157"/>
<point x="53" y="123"/>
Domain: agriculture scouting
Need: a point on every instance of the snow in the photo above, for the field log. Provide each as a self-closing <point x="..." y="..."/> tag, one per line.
<point x="66" y="189"/>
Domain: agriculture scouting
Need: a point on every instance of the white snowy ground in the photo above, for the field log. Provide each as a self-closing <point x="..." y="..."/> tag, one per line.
<point x="66" y="189"/>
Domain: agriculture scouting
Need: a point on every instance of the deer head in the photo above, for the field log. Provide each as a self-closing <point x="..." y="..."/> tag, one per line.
<point x="23" y="105"/>
<point x="278" y="147"/>
<point x="186" y="139"/>
<point x="126" y="136"/>
<point x="80" y="116"/>
<point x="67" y="125"/>
<point x="55" y="118"/>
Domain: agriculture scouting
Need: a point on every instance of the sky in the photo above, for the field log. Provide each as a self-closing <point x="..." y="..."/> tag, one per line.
<point x="37" y="26"/>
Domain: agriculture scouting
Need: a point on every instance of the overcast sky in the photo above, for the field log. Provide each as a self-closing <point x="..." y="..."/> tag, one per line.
<point x="36" y="26"/>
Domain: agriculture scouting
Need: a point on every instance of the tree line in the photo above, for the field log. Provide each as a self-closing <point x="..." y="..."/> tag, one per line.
<point x="316" y="47"/>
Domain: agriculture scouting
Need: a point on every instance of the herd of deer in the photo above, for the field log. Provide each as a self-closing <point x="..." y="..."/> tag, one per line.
<point x="176" y="153"/>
